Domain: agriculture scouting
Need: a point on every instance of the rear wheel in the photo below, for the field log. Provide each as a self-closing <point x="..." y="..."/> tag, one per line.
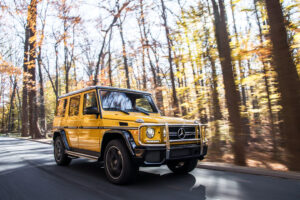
<point x="182" y="167"/>
<point x="118" y="165"/>
<point x="61" y="158"/>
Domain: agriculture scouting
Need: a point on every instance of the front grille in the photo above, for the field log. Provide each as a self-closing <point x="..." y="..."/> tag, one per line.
<point x="190" y="132"/>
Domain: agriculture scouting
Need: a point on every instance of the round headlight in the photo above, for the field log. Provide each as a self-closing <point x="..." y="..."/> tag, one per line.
<point x="150" y="132"/>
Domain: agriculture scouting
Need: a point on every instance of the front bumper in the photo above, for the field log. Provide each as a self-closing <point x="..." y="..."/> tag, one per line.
<point x="156" y="156"/>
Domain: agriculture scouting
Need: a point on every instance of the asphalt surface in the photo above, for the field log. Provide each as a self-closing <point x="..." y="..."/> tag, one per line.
<point x="28" y="171"/>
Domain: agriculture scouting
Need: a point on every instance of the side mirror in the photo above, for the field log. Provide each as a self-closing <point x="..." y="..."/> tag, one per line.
<point x="91" y="111"/>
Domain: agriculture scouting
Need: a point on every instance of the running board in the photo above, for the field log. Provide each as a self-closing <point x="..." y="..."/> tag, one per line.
<point x="76" y="154"/>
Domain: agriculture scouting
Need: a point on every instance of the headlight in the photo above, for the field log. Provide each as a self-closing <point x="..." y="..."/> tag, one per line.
<point x="150" y="132"/>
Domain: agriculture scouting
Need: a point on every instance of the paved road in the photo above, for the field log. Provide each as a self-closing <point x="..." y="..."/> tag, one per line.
<point x="28" y="171"/>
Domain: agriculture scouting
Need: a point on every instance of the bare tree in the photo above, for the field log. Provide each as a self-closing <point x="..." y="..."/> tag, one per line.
<point x="100" y="55"/>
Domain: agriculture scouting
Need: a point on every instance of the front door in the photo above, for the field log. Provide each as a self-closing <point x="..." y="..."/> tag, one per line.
<point x="89" y="134"/>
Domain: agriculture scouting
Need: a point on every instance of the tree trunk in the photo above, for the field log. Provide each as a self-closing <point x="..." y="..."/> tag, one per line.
<point x="3" y="115"/>
<point x="24" y="132"/>
<point x="289" y="84"/>
<point x="57" y="93"/>
<point x="100" y="56"/>
<point x="19" y="106"/>
<point x="142" y="39"/>
<point x="11" y="108"/>
<point x="158" y="90"/>
<point x="32" y="94"/>
<point x="232" y="95"/>
<point x="267" y="85"/>
<point x="215" y="93"/>
<point x="125" y="60"/>
<point x="183" y="96"/>
<point x="170" y="59"/>
<point x="66" y="60"/>
<point x="109" y="61"/>
<point x="246" y="128"/>
<point x="42" y="117"/>
<point x="216" y="109"/>
<point x="67" y="79"/>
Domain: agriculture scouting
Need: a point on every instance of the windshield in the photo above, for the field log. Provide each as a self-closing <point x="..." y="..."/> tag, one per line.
<point x="128" y="102"/>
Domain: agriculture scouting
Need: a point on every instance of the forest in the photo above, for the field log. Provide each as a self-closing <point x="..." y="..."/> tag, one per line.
<point x="231" y="64"/>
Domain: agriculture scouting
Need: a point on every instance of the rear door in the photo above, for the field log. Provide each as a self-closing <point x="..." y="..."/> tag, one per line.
<point x="89" y="134"/>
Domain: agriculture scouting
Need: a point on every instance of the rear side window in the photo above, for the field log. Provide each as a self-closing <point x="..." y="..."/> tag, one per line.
<point x="90" y="101"/>
<point x="74" y="106"/>
<point x="61" y="108"/>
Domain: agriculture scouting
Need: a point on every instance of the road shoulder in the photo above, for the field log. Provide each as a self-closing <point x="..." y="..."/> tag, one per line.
<point x="248" y="170"/>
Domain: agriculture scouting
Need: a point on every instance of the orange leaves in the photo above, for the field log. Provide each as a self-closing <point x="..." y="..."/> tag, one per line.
<point x="8" y="68"/>
<point x="264" y="52"/>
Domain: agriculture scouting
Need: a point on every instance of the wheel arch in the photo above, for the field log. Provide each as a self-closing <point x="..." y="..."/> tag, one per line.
<point x="123" y="135"/>
<point x="62" y="134"/>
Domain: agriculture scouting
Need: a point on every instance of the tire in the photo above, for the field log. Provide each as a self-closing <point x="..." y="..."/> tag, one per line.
<point x="182" y="167"/>
<point x="118" y="165"/>
<point x="61" y="158"/>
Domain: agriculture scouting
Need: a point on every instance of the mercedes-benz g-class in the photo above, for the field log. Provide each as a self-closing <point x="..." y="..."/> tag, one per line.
<point x="123" y="129"/>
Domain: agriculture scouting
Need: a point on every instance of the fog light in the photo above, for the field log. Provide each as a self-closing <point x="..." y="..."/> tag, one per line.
<point x="164" y="132"/>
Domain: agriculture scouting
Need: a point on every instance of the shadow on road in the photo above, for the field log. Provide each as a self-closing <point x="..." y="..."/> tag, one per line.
<point x="149" y="184"/>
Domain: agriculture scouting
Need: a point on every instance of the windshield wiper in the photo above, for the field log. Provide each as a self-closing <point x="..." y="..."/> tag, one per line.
<point x="123" y="111"/>
<point x="142" y="111"/>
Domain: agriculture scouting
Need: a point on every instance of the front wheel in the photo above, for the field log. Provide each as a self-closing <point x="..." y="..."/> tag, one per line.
<point x="182" y="167"/>
<point x="118" y="165"/>
<point x="61" y="158"/>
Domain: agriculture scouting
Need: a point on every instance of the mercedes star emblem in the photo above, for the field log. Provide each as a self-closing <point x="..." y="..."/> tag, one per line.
<point x="181" y="133"/>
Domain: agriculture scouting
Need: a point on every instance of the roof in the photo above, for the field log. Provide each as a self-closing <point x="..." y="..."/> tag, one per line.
<point x="104" y="88"/>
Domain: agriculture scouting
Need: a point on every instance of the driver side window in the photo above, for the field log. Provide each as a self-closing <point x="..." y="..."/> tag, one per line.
<point x="142" y="103"/>
<point x="89" y="101"/>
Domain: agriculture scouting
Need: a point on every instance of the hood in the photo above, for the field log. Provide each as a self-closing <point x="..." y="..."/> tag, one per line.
<point x="152" y="118"/>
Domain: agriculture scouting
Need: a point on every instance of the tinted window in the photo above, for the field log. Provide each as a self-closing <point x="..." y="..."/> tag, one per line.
<point x="90" y="101"/>
<point x="61" y="108"/>
<point x="130" y="102"/>
<point x="74" y="106"/>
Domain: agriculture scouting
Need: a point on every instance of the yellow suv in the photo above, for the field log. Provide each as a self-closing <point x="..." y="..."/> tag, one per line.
<point x="123" y="129"/>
